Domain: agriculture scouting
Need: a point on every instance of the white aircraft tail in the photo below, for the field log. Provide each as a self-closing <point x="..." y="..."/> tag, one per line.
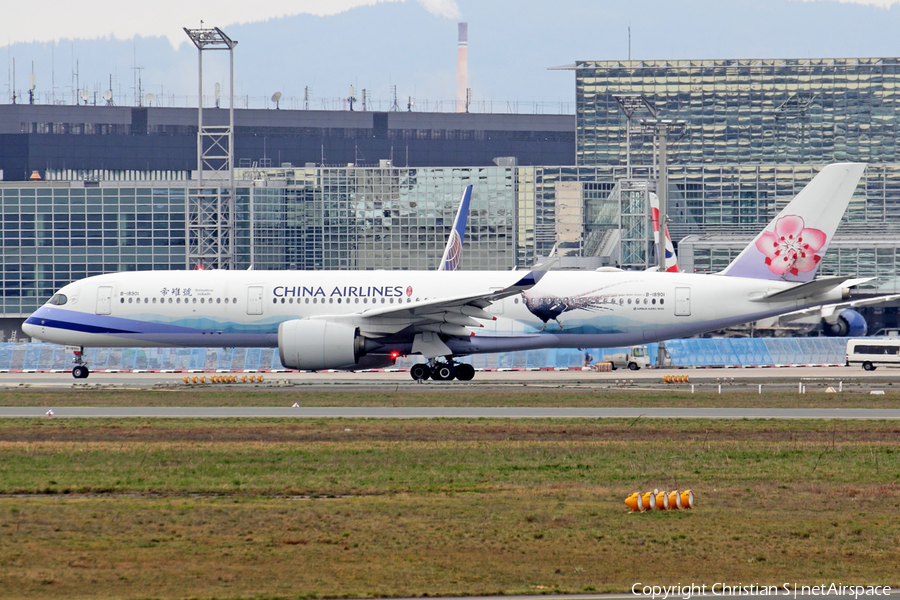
<point x="453" y="251"/>
<point x="791" y="246"/>
<point x="671" y="259"/>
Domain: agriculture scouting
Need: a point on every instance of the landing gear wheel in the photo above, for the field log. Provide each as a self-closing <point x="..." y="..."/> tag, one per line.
<point x="633" y="366"/>
<point x="443" y="372"/>
<point x="612" y="366"/>
<point x="868" y="366"/>
<point x="465" y="372"/>
<point x="419" y="372"/>
<point x="80" y="372"/>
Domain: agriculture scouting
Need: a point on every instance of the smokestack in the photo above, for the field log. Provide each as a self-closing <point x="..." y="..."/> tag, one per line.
<point x="462" y="68"/>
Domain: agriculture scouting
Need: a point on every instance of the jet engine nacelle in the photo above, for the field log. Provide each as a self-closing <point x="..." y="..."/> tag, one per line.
<point x="847" y="323"/>
<point x="313" y="345"/>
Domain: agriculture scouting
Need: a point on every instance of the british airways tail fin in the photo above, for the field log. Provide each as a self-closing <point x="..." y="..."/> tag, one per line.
<point x="671" y="259"/>
<point x="791" y="246"/>
<point x="453" y="252"/>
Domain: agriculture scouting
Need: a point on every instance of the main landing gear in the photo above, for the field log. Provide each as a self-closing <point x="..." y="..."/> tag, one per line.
<point x="442" y="371"/>
<point x="80" y="370"/>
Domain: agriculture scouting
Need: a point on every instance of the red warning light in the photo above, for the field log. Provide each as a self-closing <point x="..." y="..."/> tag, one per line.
<point x="395" y="355"/>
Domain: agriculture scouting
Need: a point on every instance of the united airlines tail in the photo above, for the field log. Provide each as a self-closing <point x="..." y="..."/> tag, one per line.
<point x="453" y="252"/>
<point x="791" y="246"/>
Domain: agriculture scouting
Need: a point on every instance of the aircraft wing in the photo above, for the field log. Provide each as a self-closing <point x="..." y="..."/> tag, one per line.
<point x="450" y="315"/>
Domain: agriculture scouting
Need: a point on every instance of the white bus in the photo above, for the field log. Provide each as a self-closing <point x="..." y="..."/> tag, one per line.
<point x="870" y="352"/>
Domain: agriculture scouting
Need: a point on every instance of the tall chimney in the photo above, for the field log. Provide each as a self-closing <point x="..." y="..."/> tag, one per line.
<point x="462" y="68"/>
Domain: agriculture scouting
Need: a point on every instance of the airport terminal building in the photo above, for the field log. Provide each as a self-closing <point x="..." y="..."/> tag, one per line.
<point x="755" y="133"/>
<point x="152" y="139"/>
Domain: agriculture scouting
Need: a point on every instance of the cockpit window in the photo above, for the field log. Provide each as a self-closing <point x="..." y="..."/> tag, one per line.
<point x="58" y="299"/>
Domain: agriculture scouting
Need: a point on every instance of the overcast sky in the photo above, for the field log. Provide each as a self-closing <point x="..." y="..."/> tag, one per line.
<point x="324" y="46"/>
<point x="64" y="19"/>
<point x="49" y="20"/>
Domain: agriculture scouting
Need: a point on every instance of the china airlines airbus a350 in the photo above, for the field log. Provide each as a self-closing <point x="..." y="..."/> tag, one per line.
<point x="366" y="319"/>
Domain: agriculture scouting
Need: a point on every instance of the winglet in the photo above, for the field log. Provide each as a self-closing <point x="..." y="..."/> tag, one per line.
<point x="453" y="251"/>
<point x="791" y="246"/>
<point x="529" y="280"/>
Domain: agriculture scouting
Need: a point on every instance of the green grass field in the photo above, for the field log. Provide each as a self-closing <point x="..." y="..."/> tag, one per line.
<point x="230" y="508"/>
<point x="409" y="394"/>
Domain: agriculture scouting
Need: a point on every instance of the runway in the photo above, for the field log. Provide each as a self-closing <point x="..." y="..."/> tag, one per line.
<point x="453" y="413"/>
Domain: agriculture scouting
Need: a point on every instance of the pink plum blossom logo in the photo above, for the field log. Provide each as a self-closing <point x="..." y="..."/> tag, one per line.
<point x="792" y="248"/>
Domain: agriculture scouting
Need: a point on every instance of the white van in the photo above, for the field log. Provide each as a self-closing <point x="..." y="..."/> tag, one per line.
<point x="870" y="352"/>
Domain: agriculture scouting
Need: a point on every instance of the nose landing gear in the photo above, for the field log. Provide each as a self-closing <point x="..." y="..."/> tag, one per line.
<point x="442" y="371"/>
<point x="80" y="370"/>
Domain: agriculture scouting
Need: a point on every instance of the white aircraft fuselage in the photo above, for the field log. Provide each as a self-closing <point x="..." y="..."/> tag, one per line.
<point x="565" y="309"/>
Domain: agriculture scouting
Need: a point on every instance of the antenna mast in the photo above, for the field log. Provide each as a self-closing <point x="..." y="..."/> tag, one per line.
<point x="394" y="106"/>
<point x="211" y="225"/>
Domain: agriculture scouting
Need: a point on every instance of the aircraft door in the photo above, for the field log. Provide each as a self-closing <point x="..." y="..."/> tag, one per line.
<point x="104" y="300"/>
<point x="682" y="302"/>
<point x="254" y="300"/>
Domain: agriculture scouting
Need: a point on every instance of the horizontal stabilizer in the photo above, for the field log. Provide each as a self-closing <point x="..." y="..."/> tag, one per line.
<point x="806" y="290"/>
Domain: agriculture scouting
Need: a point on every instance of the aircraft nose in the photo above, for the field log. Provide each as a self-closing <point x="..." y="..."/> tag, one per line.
<point x="33" y="324"/>
<point x="29" y="329"/>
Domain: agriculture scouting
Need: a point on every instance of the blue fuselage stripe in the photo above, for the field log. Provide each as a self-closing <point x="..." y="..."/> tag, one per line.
<point x="72" y="326"/>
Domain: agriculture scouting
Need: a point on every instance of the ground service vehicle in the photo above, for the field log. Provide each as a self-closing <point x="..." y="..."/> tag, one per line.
<point x="871" y="352"/>
<point x="634" y="359"/>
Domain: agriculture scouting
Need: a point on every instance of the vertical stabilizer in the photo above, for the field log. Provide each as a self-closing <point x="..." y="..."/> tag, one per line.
<point x="792" y="245"/>
<point x="671" y="259"/>
<point x="453" y="252"/>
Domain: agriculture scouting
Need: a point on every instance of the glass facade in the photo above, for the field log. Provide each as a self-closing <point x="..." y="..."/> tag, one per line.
<point x="382" y="218"/>
<point x="740" y="199"/>
<point x="316" y="218"/>
<point x="54" y="235"/>
<point x="757" y="131"/>
<point x="798" y="111"/>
